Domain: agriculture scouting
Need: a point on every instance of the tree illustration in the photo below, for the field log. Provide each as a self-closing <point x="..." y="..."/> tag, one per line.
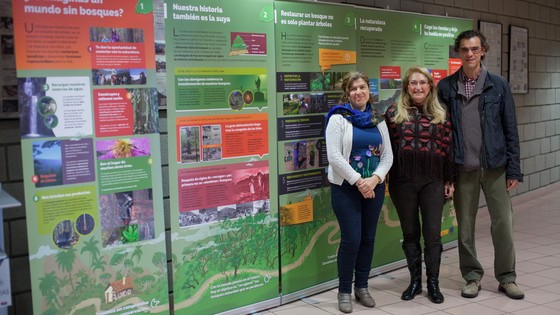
<point x="265" y="240"/>
<point x="138" y="270"/>
<point x="174" y="262"/>
<point x="271" y="256"/>
<point x="128" y="264"/>
<point x="121" y="261"/>
<point x="117" y="258"/>
<point x="238" y="230"/>
<point x="289" y="237"/>
<point x="223" y="263"/>
<point x="65" y="260"/>
<point x="305" y="231"/>
<point x="97" y="265"/>
<point x="91" y="246"/>
<point x="191" y="273"/>
<point x="63" y="283"/>
<point x="159" y="260"/>
<point x="204" y="256"/>
<point x="82" y="280"/>
<point x="137" y="253"/>
<point x="50" y="289"/>
<point x="229" y="249"/>
<point x="146" y="281"/>
<point x="105" y="277"/>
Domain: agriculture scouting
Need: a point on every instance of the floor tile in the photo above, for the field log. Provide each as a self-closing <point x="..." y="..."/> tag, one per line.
<point x="506" y="304"/>
<point x="553" y="273"/>
<point x="534" y="280"/>
<point x="555" y="305"/>
<point x="540" y="310"/>
<point x="472" y="308"/>
<point x="540" y="297"/>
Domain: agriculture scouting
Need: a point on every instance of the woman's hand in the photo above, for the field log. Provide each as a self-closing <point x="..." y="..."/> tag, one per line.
<point x="449" y="190"/>
<point x="367" y="186"/>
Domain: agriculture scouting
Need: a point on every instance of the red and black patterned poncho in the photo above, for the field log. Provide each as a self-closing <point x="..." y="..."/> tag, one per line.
<point x="420" y="148"/>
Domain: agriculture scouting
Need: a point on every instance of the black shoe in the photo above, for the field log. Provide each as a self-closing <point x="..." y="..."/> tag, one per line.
<point x="414" y="288"/>
<point x="434" y="294"/>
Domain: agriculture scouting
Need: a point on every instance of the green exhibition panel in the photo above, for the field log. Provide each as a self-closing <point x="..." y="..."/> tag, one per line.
<point x="315" y="47"/>
<point x="91" y="157"/>
<point x="224" y="221"/>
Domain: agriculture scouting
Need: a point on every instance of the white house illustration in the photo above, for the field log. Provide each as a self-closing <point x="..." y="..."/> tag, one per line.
<point x="118" y="289"/>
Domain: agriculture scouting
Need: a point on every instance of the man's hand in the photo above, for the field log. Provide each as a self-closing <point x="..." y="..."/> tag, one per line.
<point x="449" y="190"/>
<point x="511" y="184"/>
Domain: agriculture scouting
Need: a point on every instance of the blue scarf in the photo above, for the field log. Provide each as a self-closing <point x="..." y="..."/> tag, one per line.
<point x="367" y="119"/>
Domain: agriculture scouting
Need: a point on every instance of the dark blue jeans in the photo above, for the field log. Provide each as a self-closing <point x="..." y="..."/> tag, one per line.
<point x="357" y="217"/>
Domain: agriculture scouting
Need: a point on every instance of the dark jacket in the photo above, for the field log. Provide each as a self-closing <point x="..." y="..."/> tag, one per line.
<point x="500" y="141"/>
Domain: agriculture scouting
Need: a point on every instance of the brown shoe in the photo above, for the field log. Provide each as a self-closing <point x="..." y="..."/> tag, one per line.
<point x="511" y="290"/>
<point x="345" y="302"/>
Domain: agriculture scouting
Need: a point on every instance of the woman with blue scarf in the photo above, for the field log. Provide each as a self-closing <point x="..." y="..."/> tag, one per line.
<point x="360" y="155"/>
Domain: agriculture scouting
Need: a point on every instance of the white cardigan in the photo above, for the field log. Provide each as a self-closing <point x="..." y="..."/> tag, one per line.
<point x="339" y="145"/>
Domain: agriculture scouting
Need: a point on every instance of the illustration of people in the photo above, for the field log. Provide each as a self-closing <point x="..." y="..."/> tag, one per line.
<point x="114" y="78"/>
<point x="251" y="185"/>
<point x="115" y="37"/>
<point x="258" y="83"/>
<point x="304" y="106"/>
<point x="260" y="182"/>
<point x="142" y="78"/>
<point x="99" y="78"/>
<point x="104" y="38"/>
<point x="300" y="153"/>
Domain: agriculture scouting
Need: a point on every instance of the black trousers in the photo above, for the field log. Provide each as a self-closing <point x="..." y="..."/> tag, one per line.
<point x="414" y="197"/>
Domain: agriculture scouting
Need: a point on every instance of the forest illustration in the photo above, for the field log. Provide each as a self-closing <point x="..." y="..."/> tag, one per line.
<point x="87" y="274"/>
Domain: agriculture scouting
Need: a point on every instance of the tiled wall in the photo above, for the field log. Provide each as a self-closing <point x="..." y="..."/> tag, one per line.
<point x="538" y="113"/>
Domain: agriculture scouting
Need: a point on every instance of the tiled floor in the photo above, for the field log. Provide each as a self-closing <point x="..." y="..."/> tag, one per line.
<point x="537" y="241"/>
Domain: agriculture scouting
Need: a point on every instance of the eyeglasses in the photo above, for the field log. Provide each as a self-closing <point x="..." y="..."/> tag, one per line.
<point x="465" y="50"/>
<point x="415" y="83"/>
